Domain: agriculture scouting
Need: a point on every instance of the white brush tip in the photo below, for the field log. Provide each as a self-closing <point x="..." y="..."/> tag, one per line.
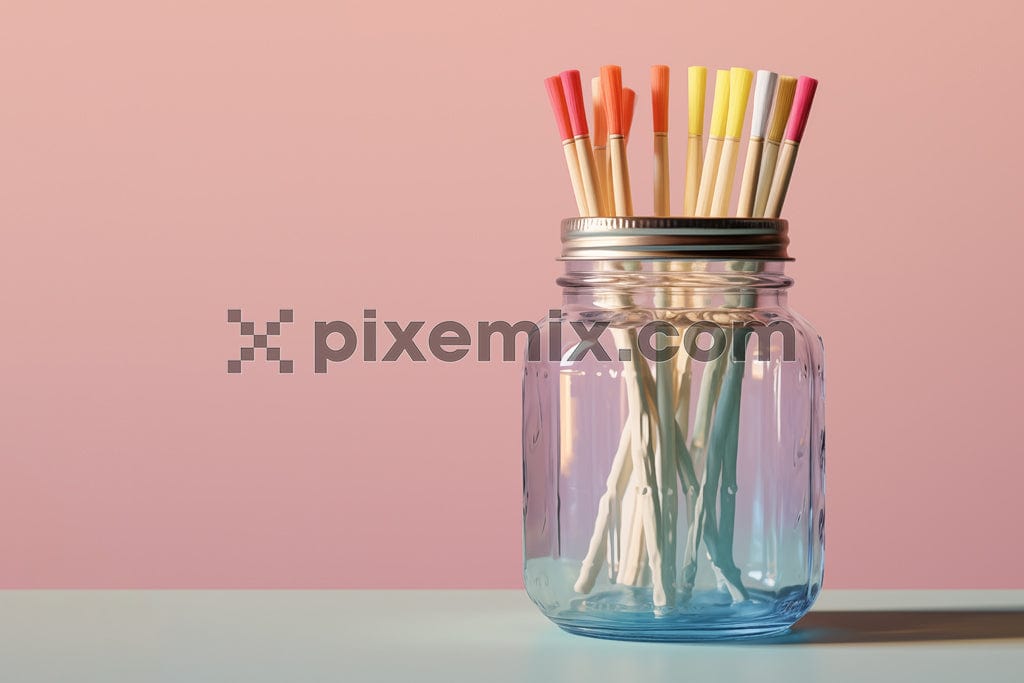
<point x="764" y="91"/>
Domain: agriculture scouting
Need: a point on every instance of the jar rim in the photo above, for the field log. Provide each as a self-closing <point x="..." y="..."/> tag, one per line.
<point x="655" y="237"/>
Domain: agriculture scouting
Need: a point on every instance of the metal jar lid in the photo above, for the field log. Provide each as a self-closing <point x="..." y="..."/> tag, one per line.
<point x="645" y="237"/>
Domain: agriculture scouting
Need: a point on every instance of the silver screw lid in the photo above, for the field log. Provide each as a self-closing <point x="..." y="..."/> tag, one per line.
<point x="646" y="237"/>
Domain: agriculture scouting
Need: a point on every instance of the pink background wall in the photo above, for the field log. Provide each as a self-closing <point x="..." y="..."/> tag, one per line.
<point x="161" y="162"/>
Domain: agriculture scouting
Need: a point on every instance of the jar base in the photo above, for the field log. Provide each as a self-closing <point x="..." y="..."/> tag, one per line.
<point x="619" y="612"/>
<point x="675" y="634"/>
<point x="706" y="616"/>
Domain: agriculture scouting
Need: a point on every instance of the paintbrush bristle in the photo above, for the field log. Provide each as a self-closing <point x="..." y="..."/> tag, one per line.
<point x="659" y="97"/>
<point x="611" y="88"/>
<point x="600" y="132"/>
<point x="697" y="81"/>
<point x="572" y="86"/>
<point x="557" y="99"/>
<point x="628" y="106"/>
<point x="764" y="89"/>
<point x="780" y="112"/>
<point x="739" y="91"/>
<point x="720" y="105"/>
<point x="802" y="100"/>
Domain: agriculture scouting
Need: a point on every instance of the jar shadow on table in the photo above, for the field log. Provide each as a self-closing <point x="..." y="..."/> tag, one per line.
<point x="902" y="626"/>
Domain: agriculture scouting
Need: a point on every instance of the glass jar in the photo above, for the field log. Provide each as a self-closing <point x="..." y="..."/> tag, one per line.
<point x="673" y="435"/>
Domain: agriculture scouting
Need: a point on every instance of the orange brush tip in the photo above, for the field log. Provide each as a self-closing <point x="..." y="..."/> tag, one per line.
<point x="611" y="88"/>
<point x="600" y="135"/>
<point x="572" y="86"/>
<point x="557" y="99"/>
<point x="628" y="105"/>
<point x="659" y="97"/>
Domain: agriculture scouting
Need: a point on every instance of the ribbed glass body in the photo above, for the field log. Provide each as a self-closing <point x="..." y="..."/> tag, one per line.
<point x="673" y="452"/>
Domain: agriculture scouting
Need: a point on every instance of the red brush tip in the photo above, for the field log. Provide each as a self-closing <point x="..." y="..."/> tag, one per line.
<point x="573" y="88"/>
<point x="628" y="105"/>
<point x="805" y="87"/>
<point x="611" y="89"/>
<point x="659" y="97"/>
<point x="557" y="99"/>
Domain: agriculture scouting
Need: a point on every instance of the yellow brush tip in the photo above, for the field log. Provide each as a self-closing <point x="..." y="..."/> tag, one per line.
<point x="697" y="77"/>
<point x="720" y="105"/>
<point x="739" y="91"/>
<point x="780" y="112"/>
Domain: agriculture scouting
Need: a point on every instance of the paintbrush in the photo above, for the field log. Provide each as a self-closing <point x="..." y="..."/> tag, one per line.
<point x="697" y="77"/>
<point x="805" y="87"/>
<point x="764" y="90"/>
<point x="573" y="88"/>
<point x="611" y="88"/>
<point x="557" y="98"/>
<point x="719" y="118"/>
<point x="599" y="135"/>
<point x="739" y="89"/>
<point x="770" y="154"/>
<point x="659" y="110"/>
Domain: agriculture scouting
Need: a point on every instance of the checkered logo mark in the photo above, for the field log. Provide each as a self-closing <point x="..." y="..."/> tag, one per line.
<point x="260" y="341"/>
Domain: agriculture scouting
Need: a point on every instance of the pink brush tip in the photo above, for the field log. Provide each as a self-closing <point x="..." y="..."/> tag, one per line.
<point x="805" y="87"/>
<point x="572" y="86"/>
<point x="557" y="98"/>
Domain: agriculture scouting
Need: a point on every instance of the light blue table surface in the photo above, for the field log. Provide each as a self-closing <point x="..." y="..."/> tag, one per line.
<point x="487" y="636"/>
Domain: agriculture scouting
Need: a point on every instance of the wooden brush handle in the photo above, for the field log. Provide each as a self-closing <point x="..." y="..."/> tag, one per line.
<point x="726" y="173"/>
<point x="591" y="186"/>
<point x="769" y="157"/>
<point x="708" y="175"/>
<point x="620" y="176"/>
<point x="632" y="553"/>
<point x="573" y="164"/>
<point x="618" y="477"/>
<point x="748" y="186"/>
<point x="694" y="164"/>
<point x="603" y="179"/>
<point x="662" y="196"/>
<point x="780" y="183"/>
